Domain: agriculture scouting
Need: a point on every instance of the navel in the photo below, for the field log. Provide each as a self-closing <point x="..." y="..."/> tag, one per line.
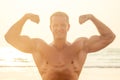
<point x="46" y="62"/>
<point x="72" y="62"/>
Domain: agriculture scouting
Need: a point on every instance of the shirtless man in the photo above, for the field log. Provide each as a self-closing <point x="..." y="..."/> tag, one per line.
<point x="60" y="60"/>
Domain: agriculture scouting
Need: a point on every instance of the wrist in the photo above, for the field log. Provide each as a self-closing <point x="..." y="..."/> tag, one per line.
<point x="25" y="17"/>
<point x="90" y="16"/>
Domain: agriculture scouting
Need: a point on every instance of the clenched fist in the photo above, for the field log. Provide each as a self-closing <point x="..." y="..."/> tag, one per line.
<point x="84" y="18"/>
<point x="33" y="17"/>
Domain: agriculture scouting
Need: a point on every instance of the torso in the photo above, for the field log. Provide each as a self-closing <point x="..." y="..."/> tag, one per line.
<point x="60" y="65"/>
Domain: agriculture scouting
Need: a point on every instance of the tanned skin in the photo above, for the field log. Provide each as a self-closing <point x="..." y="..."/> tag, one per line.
<point x="59" y="60"/>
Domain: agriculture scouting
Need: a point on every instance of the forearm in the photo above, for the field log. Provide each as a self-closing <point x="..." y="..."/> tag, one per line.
<point x="102" y="28"/>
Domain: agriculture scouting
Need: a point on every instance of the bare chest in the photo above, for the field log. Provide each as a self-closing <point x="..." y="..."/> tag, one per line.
<point x="61" y="65"/>
<point x="62" y="60"/>
<point x="59" y="59"/>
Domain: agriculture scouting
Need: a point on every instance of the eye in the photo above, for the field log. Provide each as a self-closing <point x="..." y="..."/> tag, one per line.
<point x="55" y="25"/>
<point x="63" y="25"/>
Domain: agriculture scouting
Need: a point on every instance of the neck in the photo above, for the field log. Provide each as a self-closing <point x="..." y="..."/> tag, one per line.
<point x="59" y="44"/>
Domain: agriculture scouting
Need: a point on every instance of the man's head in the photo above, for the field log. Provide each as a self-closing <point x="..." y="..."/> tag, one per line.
<point x="59" y="24"/>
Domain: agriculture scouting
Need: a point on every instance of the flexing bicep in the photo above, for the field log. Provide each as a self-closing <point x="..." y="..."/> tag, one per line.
<point x="23" y="43"/>
<point x="96" y="43"/>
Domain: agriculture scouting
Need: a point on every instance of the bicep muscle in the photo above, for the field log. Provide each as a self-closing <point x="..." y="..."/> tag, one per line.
<point x="24" y="44"/>
<point x="96" y="43"/>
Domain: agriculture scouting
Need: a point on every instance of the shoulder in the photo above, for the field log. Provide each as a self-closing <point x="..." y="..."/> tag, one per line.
<point x="39" y="43"/>
<point x="37" y="39"/>
<point x="81" y="40"/>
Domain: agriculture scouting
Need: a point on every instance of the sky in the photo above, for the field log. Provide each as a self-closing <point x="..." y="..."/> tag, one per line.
<point x="107" y="11"/>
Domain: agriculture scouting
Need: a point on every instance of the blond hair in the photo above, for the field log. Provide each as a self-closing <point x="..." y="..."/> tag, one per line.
<point x="59" y="14"/>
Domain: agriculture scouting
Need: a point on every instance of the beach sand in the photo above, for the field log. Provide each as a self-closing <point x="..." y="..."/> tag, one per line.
<point x="100" y="74"/>
<point x="30" y="73"/>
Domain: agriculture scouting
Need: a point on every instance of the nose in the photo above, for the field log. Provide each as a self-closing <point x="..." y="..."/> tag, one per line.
<point x="59" y="28"/>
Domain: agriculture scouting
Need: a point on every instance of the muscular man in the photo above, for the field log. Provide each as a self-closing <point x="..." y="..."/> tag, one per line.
<point x="60" y="60"/>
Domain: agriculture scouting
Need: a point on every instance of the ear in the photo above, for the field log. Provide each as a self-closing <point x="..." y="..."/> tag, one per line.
<point x="68" y="27"/>
<point x="50" y="28"/>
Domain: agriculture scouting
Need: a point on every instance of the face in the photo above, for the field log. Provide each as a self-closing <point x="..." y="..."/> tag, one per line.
<point x="59" y="27"/>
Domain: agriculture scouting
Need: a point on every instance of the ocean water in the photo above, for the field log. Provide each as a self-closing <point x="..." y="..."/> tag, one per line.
<point x="106" y="58"/>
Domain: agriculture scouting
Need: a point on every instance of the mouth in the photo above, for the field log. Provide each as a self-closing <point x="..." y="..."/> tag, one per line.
<point x="59" y="33"/>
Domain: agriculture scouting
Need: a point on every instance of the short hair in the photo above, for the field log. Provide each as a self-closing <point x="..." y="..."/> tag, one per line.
<point x="59" y="14"/>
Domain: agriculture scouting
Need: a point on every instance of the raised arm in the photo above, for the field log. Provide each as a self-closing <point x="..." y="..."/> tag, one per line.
<point x="13" y="37"/>
<point x="97" y="42"/>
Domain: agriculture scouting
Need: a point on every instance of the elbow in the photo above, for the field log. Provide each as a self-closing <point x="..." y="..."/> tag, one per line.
<point x="7" y="38"/>
<point x="111" y="37"/>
